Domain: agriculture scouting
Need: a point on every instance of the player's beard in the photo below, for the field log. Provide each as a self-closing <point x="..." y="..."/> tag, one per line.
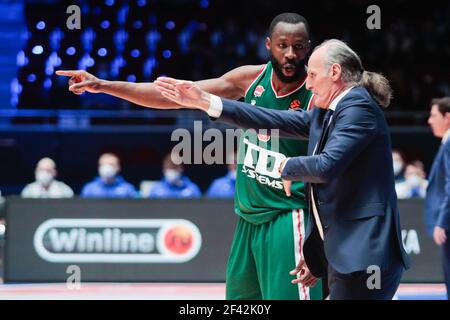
<point x="299" y="70"/>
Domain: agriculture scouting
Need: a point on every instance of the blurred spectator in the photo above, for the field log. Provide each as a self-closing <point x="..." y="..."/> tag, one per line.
<point x="415" y="184"/>
<point x="437" y="203"/>
<point x="109" y="184"/>
<point x="46" y="186"/>
<point x="224" y="187"/>
<point x="399" y="166"/>
<point x="174" y="184"/>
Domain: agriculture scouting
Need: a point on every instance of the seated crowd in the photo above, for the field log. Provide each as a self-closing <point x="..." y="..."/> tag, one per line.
<point x="410" y="181"/>
<point x="109" y="183"/>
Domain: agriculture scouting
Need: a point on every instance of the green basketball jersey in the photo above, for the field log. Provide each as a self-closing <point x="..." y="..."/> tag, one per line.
<point x="259" y="192"/>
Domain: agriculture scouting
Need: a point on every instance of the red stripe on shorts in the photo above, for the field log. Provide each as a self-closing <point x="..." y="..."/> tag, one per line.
<point x="300" y="246"/>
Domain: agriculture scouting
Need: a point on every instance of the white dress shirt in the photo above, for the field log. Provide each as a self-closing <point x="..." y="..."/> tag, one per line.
<point x="446" y="136"/>
<point x="215" y="107"/>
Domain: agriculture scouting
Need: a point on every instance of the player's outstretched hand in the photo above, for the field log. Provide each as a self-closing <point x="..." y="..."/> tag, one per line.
<point x="81" y="81"/>
<point x="185" y="93"/>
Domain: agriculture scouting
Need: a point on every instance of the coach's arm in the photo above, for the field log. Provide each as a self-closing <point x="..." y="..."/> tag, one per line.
<point x="355" y="128"/>
<point x="293" y="124"/>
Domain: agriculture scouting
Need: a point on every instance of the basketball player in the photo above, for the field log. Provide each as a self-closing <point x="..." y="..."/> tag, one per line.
<point x="267" y="243"/>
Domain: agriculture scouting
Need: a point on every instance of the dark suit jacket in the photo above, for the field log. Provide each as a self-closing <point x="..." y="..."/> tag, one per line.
<point x="352" y="177"/>
<point x="437" y="202"/>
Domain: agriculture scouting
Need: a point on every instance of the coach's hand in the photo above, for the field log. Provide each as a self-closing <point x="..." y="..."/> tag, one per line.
<point x="81" y="81"/>
<point x="304" y="276"/>
<point x="287" y="187"/>
<point x="286" y="183"/>
<point x="183" y="92"/>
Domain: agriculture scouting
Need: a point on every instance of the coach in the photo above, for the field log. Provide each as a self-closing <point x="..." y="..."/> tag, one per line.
<point x="354" y="226"/>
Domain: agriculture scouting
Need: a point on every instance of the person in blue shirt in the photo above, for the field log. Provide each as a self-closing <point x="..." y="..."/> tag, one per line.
<point x="223" y="187"/>
<point x="415" y="183"/>
<point x="174" y="184"/>
<point x="109" y="184"/>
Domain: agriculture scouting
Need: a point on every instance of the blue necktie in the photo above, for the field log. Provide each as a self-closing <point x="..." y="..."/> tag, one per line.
<point x="312" y="186"/>
<point x="326" y="121"/>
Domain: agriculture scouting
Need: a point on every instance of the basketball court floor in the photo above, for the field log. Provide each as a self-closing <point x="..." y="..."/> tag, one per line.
<point x="166" y="291"/>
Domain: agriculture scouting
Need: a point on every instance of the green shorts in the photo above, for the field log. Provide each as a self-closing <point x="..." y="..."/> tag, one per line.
<point x="261" y="257"/>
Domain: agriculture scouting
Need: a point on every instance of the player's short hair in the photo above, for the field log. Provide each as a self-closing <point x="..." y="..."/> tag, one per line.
<point x="442" y="103"/>
<point x="288" y="17"/>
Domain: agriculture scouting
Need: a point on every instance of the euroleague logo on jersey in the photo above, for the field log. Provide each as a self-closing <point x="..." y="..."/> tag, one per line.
<point x="295" y="104"/>
<point x="259" y="90"/>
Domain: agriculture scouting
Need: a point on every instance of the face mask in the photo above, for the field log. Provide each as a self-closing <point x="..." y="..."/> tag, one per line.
<point x="107" y="171"/>
<point x="398" y="167"/>
<point x="44" y="177"/>
<point x="171" y="175"/>
<point x="233" y="174"/>
<point x="414" y="180"/>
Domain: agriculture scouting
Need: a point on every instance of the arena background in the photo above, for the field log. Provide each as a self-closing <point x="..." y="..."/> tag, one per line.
<point x="138" y="40"/>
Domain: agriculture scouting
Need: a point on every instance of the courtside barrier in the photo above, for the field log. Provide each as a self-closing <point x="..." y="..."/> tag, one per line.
<point x="141" y="240"/>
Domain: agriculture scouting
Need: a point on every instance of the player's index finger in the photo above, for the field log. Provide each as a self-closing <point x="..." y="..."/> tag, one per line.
<point x="68" y="73"/>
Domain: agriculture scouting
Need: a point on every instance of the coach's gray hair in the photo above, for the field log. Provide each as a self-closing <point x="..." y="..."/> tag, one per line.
<point x="353" y="72"/>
